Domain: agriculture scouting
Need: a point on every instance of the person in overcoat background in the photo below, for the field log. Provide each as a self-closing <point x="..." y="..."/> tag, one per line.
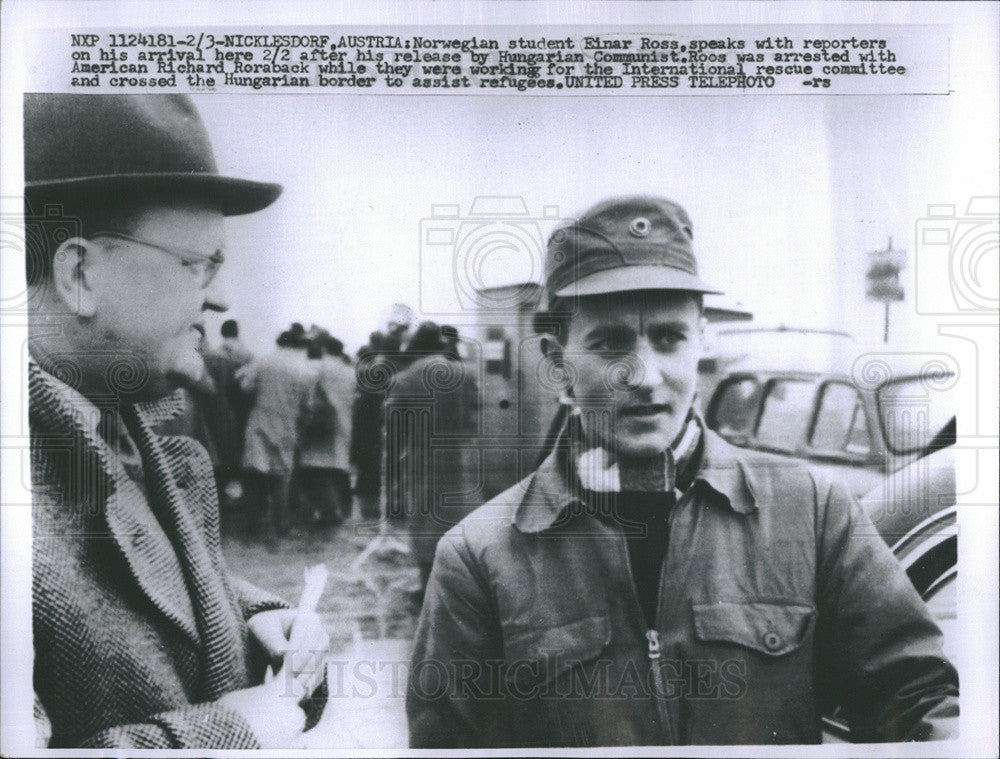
<point x="325" y="435"/>
<point x="374" y="374"/>
<point x="227" y="416"/>
<point x="277" y="384"/>
<point x="431" y="414"/>
<point x="142" y="638"/>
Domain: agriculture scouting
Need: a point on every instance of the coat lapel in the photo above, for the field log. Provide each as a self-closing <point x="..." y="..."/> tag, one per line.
<point x="131" y="522"/>
<point x="182" y="506"/>
<point x="150" y="555"/>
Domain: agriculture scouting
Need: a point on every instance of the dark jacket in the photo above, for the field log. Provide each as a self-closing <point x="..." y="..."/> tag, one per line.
<point x="325" y="436"/>
<point x="138" y="626"/>
<point x="777" y="597"/>
<point x="430" y="416"/>
<point x="375" y="374"/>
<point x="223" y="405"/>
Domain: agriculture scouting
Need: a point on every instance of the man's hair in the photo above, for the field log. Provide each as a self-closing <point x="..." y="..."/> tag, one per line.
<point x="230" y="328"/>
<point x="556" y="319"/>
<point x="332" y="346"/>
<point x="426" y="340"/>
<point x="294" y="337"/>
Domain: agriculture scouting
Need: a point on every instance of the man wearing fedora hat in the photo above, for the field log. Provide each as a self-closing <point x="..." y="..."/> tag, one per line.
<point x="142" y="638"/>
<point x="650" y="584"/>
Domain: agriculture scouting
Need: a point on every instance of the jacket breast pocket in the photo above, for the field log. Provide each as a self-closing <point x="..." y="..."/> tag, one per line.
<point x="556" y="681"/>
<point x="542" y="655"/>
<point x="763" y="654"/>
<point x="771" y="629"/>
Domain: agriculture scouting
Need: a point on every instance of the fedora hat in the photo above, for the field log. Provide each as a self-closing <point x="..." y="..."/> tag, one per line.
<point x="77" y="145"/>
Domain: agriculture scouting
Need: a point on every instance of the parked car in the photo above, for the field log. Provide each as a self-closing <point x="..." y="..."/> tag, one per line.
<point x="859" y="432"/>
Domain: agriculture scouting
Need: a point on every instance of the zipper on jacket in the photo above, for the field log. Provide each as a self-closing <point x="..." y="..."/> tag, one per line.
<point x="654" y="644"/>
<point x="653" y="636"/>
<point x="653" y="640"/>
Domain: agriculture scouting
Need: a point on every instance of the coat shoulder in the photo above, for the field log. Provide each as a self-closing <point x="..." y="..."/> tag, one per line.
<point x="786" y="470"/>
<point x="491" y="523"/>
<point x="782" y="485"/>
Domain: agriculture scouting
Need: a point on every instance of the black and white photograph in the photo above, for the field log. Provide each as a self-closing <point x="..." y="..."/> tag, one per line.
<point x="499" y="377"/>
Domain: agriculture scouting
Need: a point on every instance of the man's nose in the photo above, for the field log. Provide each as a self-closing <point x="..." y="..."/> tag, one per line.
<point x="216" y="298"/>
<point x="646" y="370"/>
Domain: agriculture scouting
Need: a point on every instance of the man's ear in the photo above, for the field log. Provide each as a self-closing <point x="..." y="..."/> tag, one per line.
<point x="552" y="352"/>
<point x="551" y="347"/>
<point x="72" y="276"/>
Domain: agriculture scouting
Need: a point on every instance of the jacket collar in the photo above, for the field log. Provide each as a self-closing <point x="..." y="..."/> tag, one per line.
<point x="58" y="409"/>
<point x="553" y="489"/>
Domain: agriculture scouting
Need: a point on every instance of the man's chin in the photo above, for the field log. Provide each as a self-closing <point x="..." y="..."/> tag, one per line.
<point x="641" y="446"/>
<point x="183" y="373"/>
<point x="645" y="442"/>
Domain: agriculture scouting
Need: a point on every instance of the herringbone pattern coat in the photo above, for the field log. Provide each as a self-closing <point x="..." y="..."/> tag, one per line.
<point x="138" y="626"/>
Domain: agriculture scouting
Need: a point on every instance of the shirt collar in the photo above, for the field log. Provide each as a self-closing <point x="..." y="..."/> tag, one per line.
<point x="552" y="490"/>
<point x="726" y="470"/>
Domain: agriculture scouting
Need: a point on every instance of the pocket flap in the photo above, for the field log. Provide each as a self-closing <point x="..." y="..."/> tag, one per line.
<point x="774" y="629"/>
<point x="560" y="647"/>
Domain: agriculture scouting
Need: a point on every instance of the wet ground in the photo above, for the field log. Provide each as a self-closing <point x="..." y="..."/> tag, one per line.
<point x="369" y="613"/>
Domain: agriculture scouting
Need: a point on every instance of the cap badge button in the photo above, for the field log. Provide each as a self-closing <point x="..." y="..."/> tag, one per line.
<point x="772" y="641"/>
<point x="639" y="227"/>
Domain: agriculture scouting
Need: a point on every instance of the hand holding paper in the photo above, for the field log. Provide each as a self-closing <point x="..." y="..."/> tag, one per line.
<point x="297" y="636"/>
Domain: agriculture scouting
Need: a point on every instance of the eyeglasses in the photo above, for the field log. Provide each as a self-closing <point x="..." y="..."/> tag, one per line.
<point x="203" y="267"/>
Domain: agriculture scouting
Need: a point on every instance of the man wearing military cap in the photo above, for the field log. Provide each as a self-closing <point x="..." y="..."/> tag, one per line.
<point x="650" y="584"/>
<point x="142" y="638"/>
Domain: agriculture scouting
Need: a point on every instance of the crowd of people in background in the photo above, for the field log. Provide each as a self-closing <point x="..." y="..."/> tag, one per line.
<point x="298" y="433"/>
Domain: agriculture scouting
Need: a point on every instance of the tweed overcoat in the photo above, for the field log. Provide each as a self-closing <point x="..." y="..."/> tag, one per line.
<point x="138" y="627"/>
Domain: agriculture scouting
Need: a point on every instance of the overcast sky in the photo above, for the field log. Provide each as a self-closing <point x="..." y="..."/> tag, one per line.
<point x="787" y="194"/>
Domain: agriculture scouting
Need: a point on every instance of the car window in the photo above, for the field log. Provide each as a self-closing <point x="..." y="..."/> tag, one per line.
<point x="914" y="410"/>
<point x="735" y="408"/>
<point x="787" y="409"/>
<point x="840" y="421"/>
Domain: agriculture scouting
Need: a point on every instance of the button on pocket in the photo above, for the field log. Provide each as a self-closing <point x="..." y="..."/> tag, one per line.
<point x="773" y="629"/>
<point x="772" y="641"/>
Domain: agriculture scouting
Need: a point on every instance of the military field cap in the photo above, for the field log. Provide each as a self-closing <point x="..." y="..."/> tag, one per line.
<point x="88" y="144"/>
<point x="623" y="244"/>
